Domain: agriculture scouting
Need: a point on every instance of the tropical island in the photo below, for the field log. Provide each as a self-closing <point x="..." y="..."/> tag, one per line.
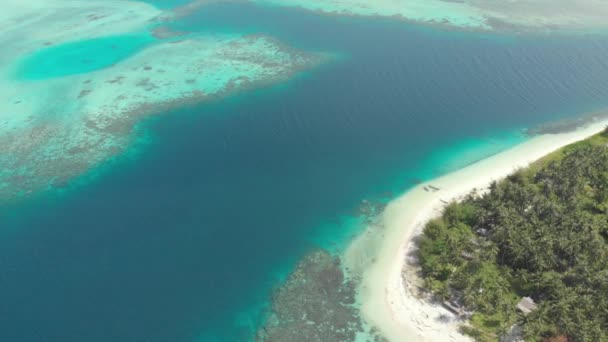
<point x="531" y="252"/>
<point x="416" y="286"/>
<point x="511" y="248"/>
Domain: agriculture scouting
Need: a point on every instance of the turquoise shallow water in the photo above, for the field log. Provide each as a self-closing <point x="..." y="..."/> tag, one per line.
<point x="185" y="241"/>
<point x="81" y="57"/>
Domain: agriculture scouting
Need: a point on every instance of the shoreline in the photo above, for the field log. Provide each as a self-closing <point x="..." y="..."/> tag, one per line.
<point x="389" y="281"/>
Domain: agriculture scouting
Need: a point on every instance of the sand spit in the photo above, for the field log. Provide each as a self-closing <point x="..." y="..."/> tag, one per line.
<point x="389" y="288"/>
<point x="544" y="15"/>
<point x="57" y="127"/>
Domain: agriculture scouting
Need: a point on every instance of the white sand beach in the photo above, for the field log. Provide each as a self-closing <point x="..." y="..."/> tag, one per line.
<point x="389" y="297"/>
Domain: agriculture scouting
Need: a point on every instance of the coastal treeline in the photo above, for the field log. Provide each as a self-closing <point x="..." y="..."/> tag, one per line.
<point x="541" y="233"/>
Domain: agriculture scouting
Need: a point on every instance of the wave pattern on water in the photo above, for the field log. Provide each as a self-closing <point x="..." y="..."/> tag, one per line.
<point x="189" y="241"/>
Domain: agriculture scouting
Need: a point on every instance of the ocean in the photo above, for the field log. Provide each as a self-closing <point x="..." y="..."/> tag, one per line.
<point x="184" y="237"/>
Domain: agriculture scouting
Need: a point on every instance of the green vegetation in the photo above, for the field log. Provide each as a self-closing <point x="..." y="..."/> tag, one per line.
<point x="541" y="233"/>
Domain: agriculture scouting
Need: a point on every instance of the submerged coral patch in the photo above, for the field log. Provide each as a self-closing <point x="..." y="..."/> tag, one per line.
<point x="77" y="122"/>
<point x="546" y="15"/>
<point x="316" y="303"/>
<point x="76" y="77"/>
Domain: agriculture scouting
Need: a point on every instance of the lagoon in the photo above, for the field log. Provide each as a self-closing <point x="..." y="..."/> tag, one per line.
<point x="81" y="57"/>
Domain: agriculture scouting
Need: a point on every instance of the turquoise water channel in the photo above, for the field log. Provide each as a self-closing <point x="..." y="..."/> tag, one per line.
<point x="81" y="57"/>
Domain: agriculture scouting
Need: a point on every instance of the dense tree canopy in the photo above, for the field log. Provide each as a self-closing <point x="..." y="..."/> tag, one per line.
<point x="542" y="233"/>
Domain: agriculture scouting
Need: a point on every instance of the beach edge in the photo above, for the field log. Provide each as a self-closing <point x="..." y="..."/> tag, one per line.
<point x="388" y="286"/>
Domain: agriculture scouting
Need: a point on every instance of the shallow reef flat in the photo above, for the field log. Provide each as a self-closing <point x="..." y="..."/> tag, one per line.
<point x="316" y="303"/>
<point x="29" y="25"/>
<point x="57" y="127"/>
<point x="430" y="11"/>
<point x="517" y="15"/>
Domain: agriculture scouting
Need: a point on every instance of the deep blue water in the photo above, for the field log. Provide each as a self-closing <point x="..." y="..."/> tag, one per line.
<point x="186" y="240"/>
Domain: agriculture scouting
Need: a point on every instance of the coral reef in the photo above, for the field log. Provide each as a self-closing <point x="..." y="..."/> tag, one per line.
<point x="61" y="123"/>
<point x="543" y="15"/>
<point x="316" y="303"/>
